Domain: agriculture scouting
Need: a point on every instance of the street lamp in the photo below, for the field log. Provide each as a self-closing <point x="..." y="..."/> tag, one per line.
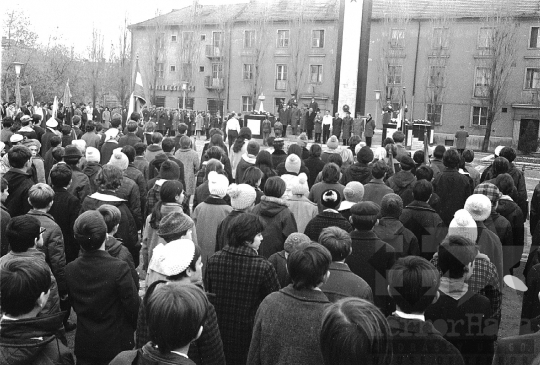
<point x="184" y="88"/>
<point x="377" y="98"/>
<point x="17" y="66"/>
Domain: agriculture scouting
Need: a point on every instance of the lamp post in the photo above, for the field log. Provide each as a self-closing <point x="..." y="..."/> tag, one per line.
<point x="17" y="66"/>
<point x="377" y="98"/>
<point x="403" y="108"/>
<point x="184" y="88"/>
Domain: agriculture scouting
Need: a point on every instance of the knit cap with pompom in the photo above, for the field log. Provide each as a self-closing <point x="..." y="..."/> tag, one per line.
<point x="217" y="184"/>
<point x="173" y="258"/>
<point x="242" y="196"/>
<point x="478" y="206"/>
<point x="293" y="163"/>
<point x="354" y="192"/>
<point x="300" y="187"/>
<point x="296" y="241"/>
<point x="463" y="225"/>
<point x="119" y="159"/>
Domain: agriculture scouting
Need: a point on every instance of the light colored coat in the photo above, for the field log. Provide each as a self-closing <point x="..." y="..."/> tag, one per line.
<point x="190" y="159"/>
<point x="303" y="210"/>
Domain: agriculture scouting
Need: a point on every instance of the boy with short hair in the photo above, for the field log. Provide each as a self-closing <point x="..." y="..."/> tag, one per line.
<point x="19" y="180"/>
<point x="413" y="284"/>
<point x="25" y="289"/>
<point x="140" y="162"/>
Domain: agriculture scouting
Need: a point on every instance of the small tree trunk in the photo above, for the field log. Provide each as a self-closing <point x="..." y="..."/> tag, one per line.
<point x="485" y="144"/>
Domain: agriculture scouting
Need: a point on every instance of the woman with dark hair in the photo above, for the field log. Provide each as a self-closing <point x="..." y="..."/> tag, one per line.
<point x="279" y="155"/>
<point x="149" y="129"/>
<point x="108" y="180"/>
<point x="279" y="222"/>
<point x="314" y="163"/>
<point x="253" y="177"/>
<point x="264" y="163"/>
<point x="215" y="139"/>
<point x="239" y="278"/>
<point x="353" y="141"/>
<point x="330" y="180"/>
<point x="190" y="159"/>
<point x="219" y="154"/>
<point x="239" y="148"/>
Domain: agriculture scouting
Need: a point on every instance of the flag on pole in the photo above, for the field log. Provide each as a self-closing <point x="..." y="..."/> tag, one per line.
<point x="138" y="89"/>
<point x="31" y="96"/>
<point x="426" y="148"/>
<point x="66" y="99"/>
<point x="55" y="107"/>
<point x="132" y="103"/>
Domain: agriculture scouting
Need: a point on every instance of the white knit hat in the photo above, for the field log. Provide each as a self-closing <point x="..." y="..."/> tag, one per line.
<point x="119" y="159"/>
<point x="172" y="258"/>
<point x="463" y="225"/>
<point x="111" y="133"/>
<point x="51" y="123"/>
<point x="93" y="154"/>
<point x="354" y="192"/>
<point x="479" y="207"/>
<point x="217" y="184"/>
<point x="300" y="186"/>
<point x="242" y="196"/>
<point x="293" y="163"/>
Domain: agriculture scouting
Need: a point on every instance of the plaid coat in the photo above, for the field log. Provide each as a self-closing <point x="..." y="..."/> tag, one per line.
<point x="240" y="280"/>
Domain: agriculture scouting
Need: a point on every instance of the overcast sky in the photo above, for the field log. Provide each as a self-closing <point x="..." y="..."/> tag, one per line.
<point x="72" y="20"/>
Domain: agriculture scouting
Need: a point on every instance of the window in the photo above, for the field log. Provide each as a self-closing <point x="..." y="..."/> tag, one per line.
<point x="247" y="105"/>
<point x="172" y="68"/>
<point x="281" y="77"/>
<point x="436" y="76"/>
<point x="482" y="81"/>
<point x="160" y="101"/>
<point x="479" y="115"/>
<point x="173" y="38"/>
<point x="440" y="38"/>
<point x="249" y="38"/>
<point x="189" y="103"/>
<point x="283" y="38"/>
<point x="434" y="112"/>
<point x="394" y="75"/>
<point x="485" y="36"/>
<point x="216" y="39"/>
<point x="534" y="41"/>
<point x="317" y="39"/>
<point x="532" y="78"/>
<point x="159" y="70"/>
<point x="315" y="74"/>
<point x="201" y="68"/>
<point x="247" y="71"/>
<point x="217" y="70"/>
<point x="203" y="37"/>
<point x="397" y="38"/>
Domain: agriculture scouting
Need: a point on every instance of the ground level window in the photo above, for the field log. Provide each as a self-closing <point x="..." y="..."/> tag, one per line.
<point x="479" y="115"/>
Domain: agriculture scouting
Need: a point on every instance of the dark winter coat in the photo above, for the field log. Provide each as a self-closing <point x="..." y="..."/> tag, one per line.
<point x="149" y="354"/>
<point x="91" y="170"/>
<point x="490" y="245"/>
<point x="4" y="220"/>
<point x="278" y="221"/>
<point x="324" y="220"/>
<point x="222" y="234"/>
<point x="107" y="150"/>
<point x="19" y="183"/>
<point x="347" y="128"/>
<point x="370" y="259"/>
<point x="240" y="280"/>
<point x="31" y="341"/>
<point x="392" y="231"/>
<point x="337" y="124"/>
<point x="502" y="228"/>
<point x="129" y="191"/>
<point x="80" y="184"/>
<point x="314" y="165"/>
<point x="134" y="174"/>
<point x="129" y="138"/>
<point x="426" y="224"/>
<point x="278" y="156"/>
<point x="279" y="261"/>
<point x="46" y="141"/>
<point x="115" y="248"/>
<point x="374" y="191"/>
<point x="342" y="283"/>
<point x="106" y="305"/>
<point x="357" y="172"/>
<point x="535" y="208"/>
<point x="287" y="328"/>
<point x="453" y="188"/>
<point x="401" y="183"/>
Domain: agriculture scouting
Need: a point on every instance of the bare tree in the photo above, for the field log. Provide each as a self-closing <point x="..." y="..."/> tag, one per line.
<point x="190" y="53"/>
<point x="96" y="59"/>
<point x="120" y="64"/>
<point x="154" y="53"/>
<point x="499" y="33"/>
<point x="300" y="26"/>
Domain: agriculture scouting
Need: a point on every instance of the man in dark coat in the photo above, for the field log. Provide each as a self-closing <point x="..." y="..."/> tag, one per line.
<point x="452" y="187"/>
<point x="19" y="180"/>
<point x="360" y="171"/>
<point x="131" y="137"/>
<point x="103" y="295"/>
<point x="310" y="122"/>
<point x="437" y="161"/>
<point x="371" y="257"/>
<point x="376" y="189"/>
<point x="423" y="221"/>
<point x="519" y="180"/>
<point x="51" y="124"/>
<point x="337" y="122"/>
<point x="401" y="182"/>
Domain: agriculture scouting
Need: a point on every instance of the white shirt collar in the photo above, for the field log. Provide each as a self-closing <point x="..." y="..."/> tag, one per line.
<point x="410" y="316"/>
<point x="331" y="210"/>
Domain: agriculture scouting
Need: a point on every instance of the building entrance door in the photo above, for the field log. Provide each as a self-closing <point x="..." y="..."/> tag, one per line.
<point x="524" y="130"/>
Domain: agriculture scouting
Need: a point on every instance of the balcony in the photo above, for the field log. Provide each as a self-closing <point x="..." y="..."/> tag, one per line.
<point x="213" y="51"/>
<point x="281" y="85"/>
<point x="213" y="83"/>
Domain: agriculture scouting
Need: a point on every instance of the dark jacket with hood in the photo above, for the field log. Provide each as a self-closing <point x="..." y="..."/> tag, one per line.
<point x="278" y="156"/>
<point x="314" y="165"/>
<point x="4" y="220"/>
<point x="80" y="183"/>
<point x="502" y="228"/>
<point x="426" y="224"/>
<point x="279" y="223"/>
<point x="324" y="220"/>
<point x="65" y="210"/>
<point x="152" y="151"/>
<point x="115" y="248"/>
<point x="129" y="191"/>
<point x="91" y="170"/>
<point x="31" y="341"/>
<point x="360" y="172"/>
<point x="402" y="183"/>
<point x="392" y="231"/>
<point x="19" y="183"/>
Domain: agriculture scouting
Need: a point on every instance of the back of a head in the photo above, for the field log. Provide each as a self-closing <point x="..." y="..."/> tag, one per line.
<point x="451" y="159"/>
<point x="140" y="147"/>
<point x="455" y="253"/>
<point x="275" y="187"/>
<point x="379" y="169"/>
<point x="509" y="153"/>
<point x="439" y="151"/>
<point x="337" y="241"/>
<point x="40" y="195"/>
<point x="132" y="125"/>
<point x="55" y="141"/>
<point x="243" y="229"/>
<point x="22" y="283"/>
<point x="182" y="128"/>
<point x="468" y="155"/>
<point x="170" y="190"/>
<point x="22" y="232"/>
<point x="58" y="153"/>
<point x="296" y="149"/>
<point x="354" y="331"/>
<point x="18" y="156"/>
<point x="168" y="144"/>
<point x="109" y="177"/>
<point x="335" y="158"/>
<point x="413" y="283"/>
<point x="331" y="173"/>
<point x="391" y="206"/>
<point x="364" y="215"/>
<point x="135" y="116"/>
<point x="422" y="190"/>
<point x="419" y="157"/>
<point x="500" y="166"/>
<point x="398" y="136"/>
<point x="215" y="152"/>
<point x="129" y="151"/>
<point x="264" y="158"/>
<point x="90" y="126"/>
<point x="157" y="137"/>
<point x="116" y="120"/>
<point x="315" y="150"/>
<point x="175" y="314"/>
<point x="505" y="183"/>
<point x="309" y="266"/>
<point x="111" y="215"/>
<point x="90" y="230"/>
<point x="185" y="142"/>
<point x="424" y="173"/>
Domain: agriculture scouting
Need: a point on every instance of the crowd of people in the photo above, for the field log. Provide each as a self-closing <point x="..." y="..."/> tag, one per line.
<point x="306" y="253"/>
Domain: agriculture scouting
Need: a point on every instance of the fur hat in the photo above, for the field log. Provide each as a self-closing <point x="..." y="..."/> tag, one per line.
<point x="300" y="187"/>
<point x="93" y="154"/>
<point x="119" y="159"/>
<point x="478" y="206"/>
<point x="391" y="206"/>
<point x="217" y="184"/>
<point x="173" y="258"/>
<point x="253" y="148"/>
<point x="295" y="241"/>
<point x="175" y="222"/>
<point x="330" y="199"/>
<point x="489" y="190"/>
<point x="242" y="196"/>
<point x="169" y="170"/>
<point x="365" y="155"/>
<point x="354" y="192"/>
<point x="293" y="163"/>
<point x="463" y="225"/>
<point x="332" y="142"/>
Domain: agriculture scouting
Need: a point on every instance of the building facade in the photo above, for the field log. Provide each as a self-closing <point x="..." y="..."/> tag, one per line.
<point x="434" y="57"/>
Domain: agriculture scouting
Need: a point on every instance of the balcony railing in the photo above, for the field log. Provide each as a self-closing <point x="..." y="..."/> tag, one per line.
<point x="213" y="51"/>
<point x="213" y="83"/>
<point x="281" y="84"/>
